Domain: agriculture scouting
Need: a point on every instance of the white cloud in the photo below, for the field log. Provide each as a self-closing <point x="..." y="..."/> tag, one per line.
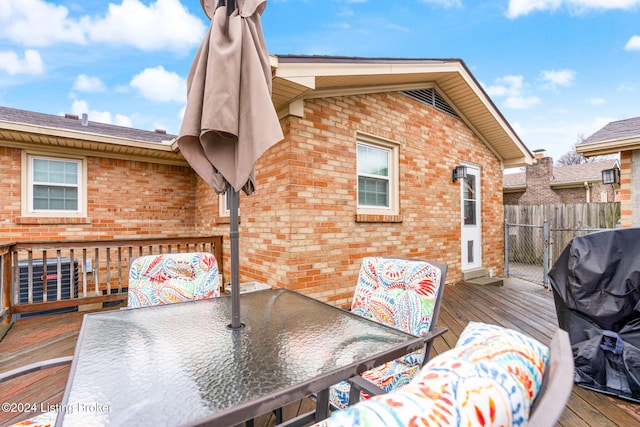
<point x="444" y="3"/>
<point x="633" y="43"/>
<point x="12" y="64"/>
<point x="122" y="120"/>
<point x="521" y="102"/>
<point x="623" y="87"/>
<point x="80" y="106"/>
<point x="38" y="23"/>
<point x="595" y="101"/>
<point x="161" y="25"/>
<point x="524" y="7"/>
<point x="85" y="83"/>
<point x="165" y="24"/>
<point x="181" y="112"/>
<point x="555" y="78"/>
<point x="513" y="89"/>
<point x="157" y="84"/>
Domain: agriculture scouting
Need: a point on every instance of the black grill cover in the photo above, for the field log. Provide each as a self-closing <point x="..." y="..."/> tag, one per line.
<point x="596" y="287"/>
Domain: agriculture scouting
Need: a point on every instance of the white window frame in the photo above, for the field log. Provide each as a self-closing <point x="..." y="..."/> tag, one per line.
<point x="393" y="150"/>
<point x="223" y="211"/>
<point x="28" y="184"/>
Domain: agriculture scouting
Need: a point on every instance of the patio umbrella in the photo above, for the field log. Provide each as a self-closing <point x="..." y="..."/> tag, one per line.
<point x="229" y="120"/>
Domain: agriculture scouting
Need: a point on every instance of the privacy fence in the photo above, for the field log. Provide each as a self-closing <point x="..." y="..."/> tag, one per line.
<point x="536" y="235"/>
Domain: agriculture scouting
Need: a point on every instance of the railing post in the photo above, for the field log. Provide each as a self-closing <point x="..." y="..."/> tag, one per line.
<point x="545" y="259"/>
<point x="506" y="248"/>
<point x="7" y="286"/>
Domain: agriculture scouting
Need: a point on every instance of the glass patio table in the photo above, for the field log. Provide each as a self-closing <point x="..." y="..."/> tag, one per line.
<point x="180" y="364"/>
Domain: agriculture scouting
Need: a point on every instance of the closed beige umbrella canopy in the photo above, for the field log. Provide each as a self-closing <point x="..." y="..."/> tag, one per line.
<point x="229" y="121"/>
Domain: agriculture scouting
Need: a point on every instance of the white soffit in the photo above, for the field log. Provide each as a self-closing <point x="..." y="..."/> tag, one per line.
<point x="297" y="78"/>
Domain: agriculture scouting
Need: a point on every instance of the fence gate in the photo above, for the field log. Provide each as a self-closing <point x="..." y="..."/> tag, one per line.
<point x="531" y="250"/>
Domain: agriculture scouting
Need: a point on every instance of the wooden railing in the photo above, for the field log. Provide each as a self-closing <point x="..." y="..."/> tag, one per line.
<point x="38" y="276"/>
<point x="5" y="280"/>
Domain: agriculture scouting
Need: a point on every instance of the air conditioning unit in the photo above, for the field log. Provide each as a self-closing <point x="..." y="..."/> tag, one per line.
<point x="68" y="277"/>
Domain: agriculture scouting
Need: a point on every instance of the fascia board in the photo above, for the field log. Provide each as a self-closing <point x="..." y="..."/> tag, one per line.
<point x="613" y="146"/>
<point x="84" y="136"/>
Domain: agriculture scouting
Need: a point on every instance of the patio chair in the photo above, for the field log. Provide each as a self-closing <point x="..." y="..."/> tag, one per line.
<point x="494" y="376"/>
<point x="404" y="293"/>
<point x="170" y="278"/>
<point x="47" y="418"/>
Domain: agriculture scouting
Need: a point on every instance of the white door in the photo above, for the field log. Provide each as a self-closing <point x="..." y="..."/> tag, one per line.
<point x="471" y="221"/>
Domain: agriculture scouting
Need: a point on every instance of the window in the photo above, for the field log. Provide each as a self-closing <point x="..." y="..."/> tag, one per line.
<point x="224" y="209"/>
<point x="470" y="199"/>
<point x="604" y="197"/>
<point x="377" y="165"/>
<point x="55" y="186"/>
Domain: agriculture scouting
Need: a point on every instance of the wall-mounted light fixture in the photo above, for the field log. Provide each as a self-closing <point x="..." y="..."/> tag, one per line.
<point x="611" y="176"/>
<point x="459" y="172"/>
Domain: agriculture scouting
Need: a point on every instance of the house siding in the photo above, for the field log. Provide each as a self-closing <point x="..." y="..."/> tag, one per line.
<point x="125" y="199"/>
<point x="299" y="229"/>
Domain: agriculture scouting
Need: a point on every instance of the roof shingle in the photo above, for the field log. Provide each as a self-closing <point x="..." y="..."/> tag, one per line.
<point x="75" y="124"/>
<point x="620" y="129"/>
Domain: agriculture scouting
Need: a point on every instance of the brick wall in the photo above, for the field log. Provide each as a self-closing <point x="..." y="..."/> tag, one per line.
<point x="126" y="199"/>
<point x="299" y="229"/>
<point x="579" y="194"/>
<point x="572" y="195"/>
<point x="629" y="193"/>
<point x="512" y="198"/>
<point x="538" y="180"/>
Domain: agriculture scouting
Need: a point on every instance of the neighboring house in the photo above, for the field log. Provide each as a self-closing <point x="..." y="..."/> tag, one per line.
<point x="365" y="169"/>
<point x="542" y="183"/>
<point x="63" y="179"/>
<point x="621" y="137"/>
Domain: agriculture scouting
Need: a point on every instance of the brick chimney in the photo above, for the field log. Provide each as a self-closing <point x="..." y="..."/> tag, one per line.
<point x="538" y="179"/>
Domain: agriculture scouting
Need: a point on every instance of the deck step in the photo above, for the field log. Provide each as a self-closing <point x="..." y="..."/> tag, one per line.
<point x="485" y="281"/>
<point x="472" y="274"/>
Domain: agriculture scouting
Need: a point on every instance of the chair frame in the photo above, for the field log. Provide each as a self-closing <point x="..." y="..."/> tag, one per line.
<point x="34" y="367"/>
<point x="554" y="392"/>
<point x="358" y="383"/>
<point x="557" y="384"/>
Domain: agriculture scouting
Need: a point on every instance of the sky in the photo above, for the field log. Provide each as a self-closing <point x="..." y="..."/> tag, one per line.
<point x="558" y="70"/>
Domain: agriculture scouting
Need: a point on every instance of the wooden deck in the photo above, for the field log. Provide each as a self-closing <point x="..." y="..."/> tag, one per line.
<point x="517" y="305"/>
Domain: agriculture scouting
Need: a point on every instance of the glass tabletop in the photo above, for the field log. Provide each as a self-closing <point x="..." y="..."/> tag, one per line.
<point x="180" y="363"/>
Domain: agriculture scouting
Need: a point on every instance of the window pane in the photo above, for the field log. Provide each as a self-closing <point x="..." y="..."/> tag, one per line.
<point x="469" y="212"/>
<point x="55" y="198"/>
<point x="55" y="171"/>
<point x="469" y="187"/>
<point x="373" y="161"/>
<point x="373" y="192"/>
<point x="70" y="173"/>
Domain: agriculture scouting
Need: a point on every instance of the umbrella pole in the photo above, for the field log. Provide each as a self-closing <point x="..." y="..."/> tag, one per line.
<point x="234" y="203"/>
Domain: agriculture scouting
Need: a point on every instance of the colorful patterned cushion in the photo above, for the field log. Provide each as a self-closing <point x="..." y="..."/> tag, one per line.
<point x="400" y="293"/>
<point x="169" y="278"/>
<point x="487" y="380"/>
<point x="521" y="355"/>
<point x="46" y="419"/>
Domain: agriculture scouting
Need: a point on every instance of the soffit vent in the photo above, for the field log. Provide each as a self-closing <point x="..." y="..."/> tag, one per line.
<point x="432" y="98"/>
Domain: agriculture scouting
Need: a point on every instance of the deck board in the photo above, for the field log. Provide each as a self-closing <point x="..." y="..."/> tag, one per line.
<point x="524" y="307"/>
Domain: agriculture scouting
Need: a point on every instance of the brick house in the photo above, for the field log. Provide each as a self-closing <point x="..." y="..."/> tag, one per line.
<point x="621" y="137"/>
<point x="365" y="169"/>
<point x="542" y="183"/>
<point x="111" y="182"/>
